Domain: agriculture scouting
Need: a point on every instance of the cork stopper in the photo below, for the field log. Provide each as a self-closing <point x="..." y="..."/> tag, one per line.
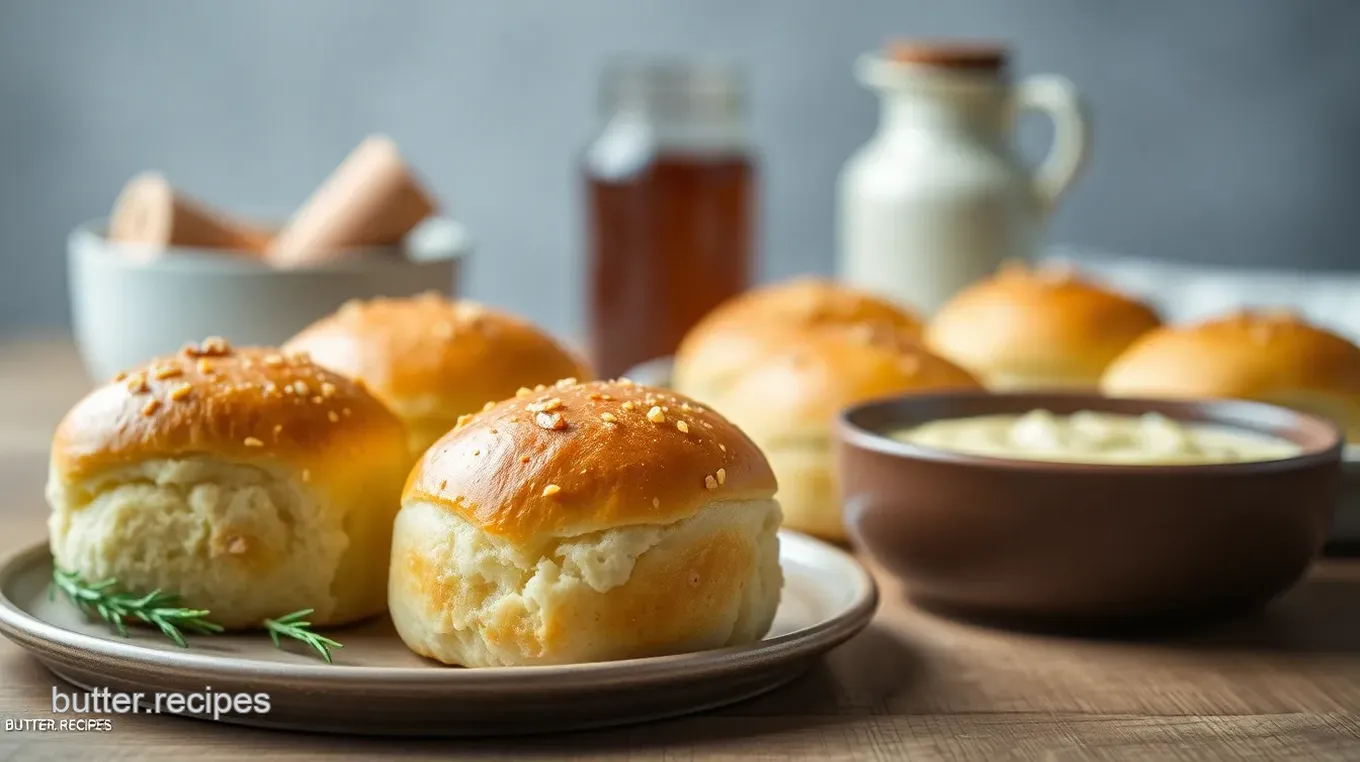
<point x="962" y="56"/>
<point x="371" y="199"/>
<point x="151" y="213"/>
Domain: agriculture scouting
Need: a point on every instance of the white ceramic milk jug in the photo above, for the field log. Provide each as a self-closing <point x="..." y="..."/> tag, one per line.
<point x="937" y="198"/>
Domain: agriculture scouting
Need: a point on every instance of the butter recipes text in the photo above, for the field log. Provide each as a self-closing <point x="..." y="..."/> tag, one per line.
<point x="209" y="702"/>
<point x="48" y="726"/>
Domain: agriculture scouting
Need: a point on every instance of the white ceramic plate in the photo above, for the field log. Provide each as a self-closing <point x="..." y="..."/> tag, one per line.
<point x="378" y="687"/>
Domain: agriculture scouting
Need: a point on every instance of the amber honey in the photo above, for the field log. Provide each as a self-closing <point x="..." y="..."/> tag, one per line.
<point x="671" y="196"/>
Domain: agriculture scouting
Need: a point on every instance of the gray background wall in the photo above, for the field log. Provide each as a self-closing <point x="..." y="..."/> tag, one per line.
<point x="1227" y="130"/>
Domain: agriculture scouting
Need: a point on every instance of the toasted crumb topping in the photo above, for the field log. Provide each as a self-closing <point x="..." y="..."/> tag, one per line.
<point x="214" y="346"/>
<point x="544" y="406"/>
<point x="550" y="421"/>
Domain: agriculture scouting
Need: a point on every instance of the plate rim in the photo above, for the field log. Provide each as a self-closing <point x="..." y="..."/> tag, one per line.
<point x="45" y="640"/>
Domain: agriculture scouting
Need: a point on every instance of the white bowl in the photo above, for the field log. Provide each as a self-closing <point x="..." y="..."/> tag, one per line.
<point x="126" y="310"/>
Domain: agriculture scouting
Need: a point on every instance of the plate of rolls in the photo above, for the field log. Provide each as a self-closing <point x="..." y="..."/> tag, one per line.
<point x="782" y="359"/>
<point x="419" y="517"/>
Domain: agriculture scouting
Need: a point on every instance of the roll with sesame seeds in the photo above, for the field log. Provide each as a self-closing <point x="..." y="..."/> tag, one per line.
<point x="789" y="402"/>
<point x="431" y="359"/>
<point x="249" y="482"/>
<point x="1269" y="356"/>
<point x="585" y="523"/>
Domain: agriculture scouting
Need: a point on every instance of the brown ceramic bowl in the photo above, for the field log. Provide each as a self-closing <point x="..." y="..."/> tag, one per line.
<point x="1053" y="542"/>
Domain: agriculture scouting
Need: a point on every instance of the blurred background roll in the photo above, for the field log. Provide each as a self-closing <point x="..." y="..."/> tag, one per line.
<point x="1038" y="329"/>
<point x="432" y="360"/>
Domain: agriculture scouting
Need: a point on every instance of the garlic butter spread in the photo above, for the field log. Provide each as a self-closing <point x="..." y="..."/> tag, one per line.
<point x="1088" y="437"/>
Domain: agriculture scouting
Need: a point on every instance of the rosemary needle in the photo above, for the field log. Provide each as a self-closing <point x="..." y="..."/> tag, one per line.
<point x="294" y="626"/>
<point x="103" y="600"/>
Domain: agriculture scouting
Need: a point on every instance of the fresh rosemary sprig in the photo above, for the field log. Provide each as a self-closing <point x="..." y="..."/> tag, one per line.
<point x="103" y="600"/>
<point x="294" y="626"/>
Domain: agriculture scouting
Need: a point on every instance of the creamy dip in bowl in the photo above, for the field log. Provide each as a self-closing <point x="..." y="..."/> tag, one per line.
<point x="1059" y="508"/>
<point x="1088" y="436"/>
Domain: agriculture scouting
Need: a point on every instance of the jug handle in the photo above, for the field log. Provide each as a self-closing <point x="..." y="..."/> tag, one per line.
<point x="1058" y="99"/>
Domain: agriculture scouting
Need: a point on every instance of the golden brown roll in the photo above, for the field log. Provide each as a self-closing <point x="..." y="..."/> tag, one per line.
<point x="1040" y="329"/>
<point x="1269" y="356"/>
<point x="589" y="522"/>
<point x="735" y="336"/>
<point x="250" y="482"/>
<point x="788" y="405"/>
<point x="431" y="359"/>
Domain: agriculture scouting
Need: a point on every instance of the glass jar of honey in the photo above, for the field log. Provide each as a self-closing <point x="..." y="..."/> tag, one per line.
<point x="671" y="183"/>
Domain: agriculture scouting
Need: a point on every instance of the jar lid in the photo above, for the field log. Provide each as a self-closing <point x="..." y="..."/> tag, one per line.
<point x="979" y="56"/>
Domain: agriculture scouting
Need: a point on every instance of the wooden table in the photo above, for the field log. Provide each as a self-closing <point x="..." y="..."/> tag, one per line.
<point x="1285" y="685"/>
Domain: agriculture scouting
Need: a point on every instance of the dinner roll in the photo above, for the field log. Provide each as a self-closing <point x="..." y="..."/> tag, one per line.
<point x="1271" y="357"/>
<point x="589" y="522"/>
<point x="1037" y="329"/>
<point x="431" y="359"/>
<point x="788" y="404"/>
<point x="249" y="482"/>
<point x="734" y="336"/>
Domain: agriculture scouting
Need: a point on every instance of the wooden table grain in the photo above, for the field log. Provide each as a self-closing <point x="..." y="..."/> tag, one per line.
<point x="1284" y="685"/>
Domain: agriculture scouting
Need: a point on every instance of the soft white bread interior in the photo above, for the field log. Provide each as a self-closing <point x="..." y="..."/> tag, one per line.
<point x="431" y="360"/>
<point x="590" y="522"/>
<point x="1038" y="329"/>
<point x="249" y="482"/>
<point x="1268" y="356"/>
<point x="788" y="404"/>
